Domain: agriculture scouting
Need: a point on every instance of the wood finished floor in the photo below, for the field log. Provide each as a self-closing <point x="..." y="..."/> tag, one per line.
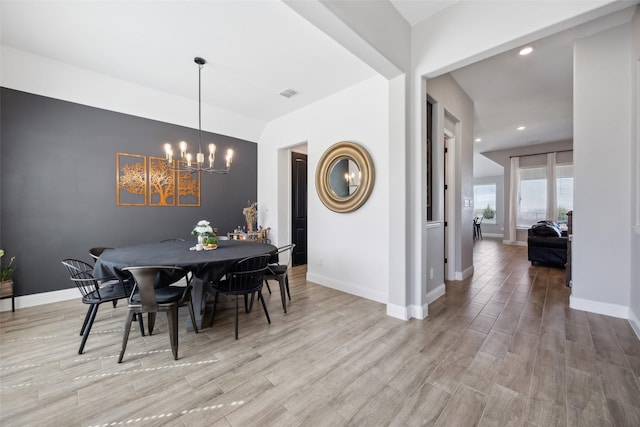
<point x="499" y="349"/>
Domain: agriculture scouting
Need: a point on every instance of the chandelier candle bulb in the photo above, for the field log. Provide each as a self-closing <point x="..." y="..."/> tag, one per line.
<point x="212" y="154"/>
<point x="183" y="148"/>
<point x="229" y="157"/>
<point x="169" y="152"/>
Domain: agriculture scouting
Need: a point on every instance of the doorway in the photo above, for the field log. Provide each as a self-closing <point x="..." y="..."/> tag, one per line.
<point x="449" y="205"/>
<point x="299" y="207"/>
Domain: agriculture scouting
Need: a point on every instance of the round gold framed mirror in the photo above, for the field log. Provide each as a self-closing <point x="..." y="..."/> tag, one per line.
<point x="344" y="177"/>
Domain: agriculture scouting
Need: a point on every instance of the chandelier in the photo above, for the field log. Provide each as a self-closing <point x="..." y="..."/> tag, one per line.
<point x="187" y="163"/>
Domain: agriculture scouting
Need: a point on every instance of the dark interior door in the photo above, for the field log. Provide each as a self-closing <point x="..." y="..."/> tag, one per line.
<point x="299" y="207"/>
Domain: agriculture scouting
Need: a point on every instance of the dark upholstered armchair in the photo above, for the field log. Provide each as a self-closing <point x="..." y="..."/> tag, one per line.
<point x="547" y="244"/>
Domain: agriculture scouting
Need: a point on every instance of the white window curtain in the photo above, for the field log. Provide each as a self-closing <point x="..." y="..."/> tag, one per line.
<point x="514" y="191"/>
<point x="552" y="199"/>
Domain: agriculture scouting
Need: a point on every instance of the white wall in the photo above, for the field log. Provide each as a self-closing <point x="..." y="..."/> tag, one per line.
<point x="602" y="173"/>
<point x="634" y="303"/>
<point x="346" y="251"/>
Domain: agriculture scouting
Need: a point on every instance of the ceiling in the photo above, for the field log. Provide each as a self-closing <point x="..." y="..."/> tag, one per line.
<point x="256" y="49"/>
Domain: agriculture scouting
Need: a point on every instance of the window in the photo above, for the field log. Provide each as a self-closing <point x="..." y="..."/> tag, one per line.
<point x="564" y="191"/>
<point x="484" y="202"/>
<point x="532" y="200"/>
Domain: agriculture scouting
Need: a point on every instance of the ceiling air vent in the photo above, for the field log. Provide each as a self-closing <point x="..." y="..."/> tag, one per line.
<point x="288" y="93"/>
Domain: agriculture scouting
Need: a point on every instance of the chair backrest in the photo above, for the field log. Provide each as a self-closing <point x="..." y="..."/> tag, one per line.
<point x="247" y="274"/>
<point x="97" y="251"/>
<point x="81" y="274"/>
<point x="145" y="277"/>
<point x="74" y="266"/>
<point x="287" y="248"/>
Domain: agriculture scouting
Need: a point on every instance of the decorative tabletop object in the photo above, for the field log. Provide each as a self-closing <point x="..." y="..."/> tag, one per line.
<point x="202" y="230"/>
<point x="250" y="215"/>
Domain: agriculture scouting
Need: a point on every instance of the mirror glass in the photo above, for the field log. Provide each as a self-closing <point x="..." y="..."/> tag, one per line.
<point x="344" y="177"/>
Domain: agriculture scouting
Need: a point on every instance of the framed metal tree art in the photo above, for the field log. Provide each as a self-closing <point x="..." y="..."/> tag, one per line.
<point x="131" y="179"/>
<point x="188" y="188"/>
<point x="155" y="183"/>
<point x="162" y="183"/>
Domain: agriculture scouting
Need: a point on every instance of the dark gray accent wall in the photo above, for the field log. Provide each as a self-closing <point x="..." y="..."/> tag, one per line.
<point x="58" y="178"/>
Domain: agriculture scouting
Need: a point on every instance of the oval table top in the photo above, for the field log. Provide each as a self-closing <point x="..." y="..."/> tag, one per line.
<point x="207" y="265"/>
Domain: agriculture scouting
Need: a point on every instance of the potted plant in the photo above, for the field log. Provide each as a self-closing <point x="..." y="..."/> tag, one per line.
<point x="6" y="276"/>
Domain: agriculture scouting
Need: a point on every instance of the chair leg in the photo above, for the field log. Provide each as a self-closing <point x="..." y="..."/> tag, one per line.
<point x="86" y="319"/>
<point x="151" y="318"/>
<point x="125" y="336"/>
<point x="140" y="322"/>
<point x="193" y="316"/>
<point x="264" y="306"/>
<point x="286" y="281"/>
<point x="253" y="294"/>
<point x="282" y="295"/>
<point x="172" y="320"/>
<point x="87" y="329"/>
<point x="247" y="308"/>
<point x="236" y="316"/>
<point x="266" y="282"/>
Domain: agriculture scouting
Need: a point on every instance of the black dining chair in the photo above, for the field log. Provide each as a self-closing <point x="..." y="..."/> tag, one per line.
<point x="146" y="298"/>
<point x="477" y="227"/>
<point x="244" y="279"/>
<point x="94" y="291"/>
<point x="280" y="272"/>
<point x="95" y="254"/>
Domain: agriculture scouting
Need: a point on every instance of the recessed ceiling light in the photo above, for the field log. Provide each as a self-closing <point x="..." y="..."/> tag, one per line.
<point x="521" y="127"/>
<point x="478" y="139"/>
<point x="526" y="50"/>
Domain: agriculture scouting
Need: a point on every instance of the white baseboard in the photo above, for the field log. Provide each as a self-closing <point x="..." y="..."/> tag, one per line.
<point x="419" y="311"/>
<point x="40" y="299"/>
<point x="605" y="308"/>
<point x="348" y="288"/>
<point x="635" y="322"/>
<point x="436" y="293"/>
<point x="461" y="275"/>
<point x="516" y="243"/>
<point x="498" y="235"/>
<point x="398" y="311"/>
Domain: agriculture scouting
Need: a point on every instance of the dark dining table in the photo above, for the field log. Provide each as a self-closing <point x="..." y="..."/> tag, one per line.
<point x="206" y="265"/>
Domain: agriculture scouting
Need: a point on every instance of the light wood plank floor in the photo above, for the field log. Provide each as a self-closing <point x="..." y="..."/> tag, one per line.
<point x="502" y="348"/>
